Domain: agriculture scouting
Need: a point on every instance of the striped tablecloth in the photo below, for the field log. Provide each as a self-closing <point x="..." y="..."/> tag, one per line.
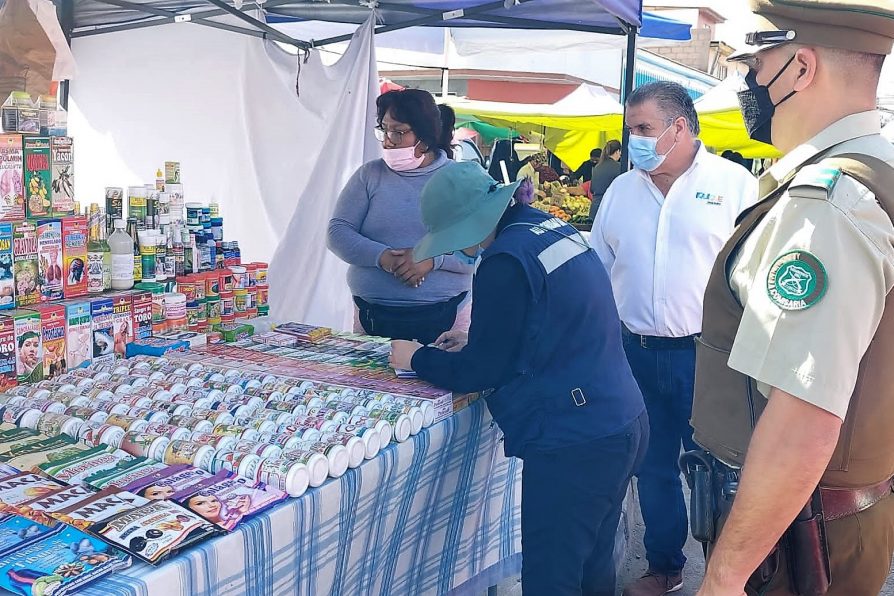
<point x="437" y="514"/>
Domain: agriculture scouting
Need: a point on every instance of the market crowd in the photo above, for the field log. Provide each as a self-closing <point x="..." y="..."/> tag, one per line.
<point x="714" y="328"/>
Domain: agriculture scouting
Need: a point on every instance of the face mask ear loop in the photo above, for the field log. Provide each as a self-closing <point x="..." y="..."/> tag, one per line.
<point x="779" y="74"/>
<point x="785" y="99"/>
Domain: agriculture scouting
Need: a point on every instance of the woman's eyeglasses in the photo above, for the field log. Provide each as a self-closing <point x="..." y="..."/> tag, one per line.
<point x="395" y="136"/>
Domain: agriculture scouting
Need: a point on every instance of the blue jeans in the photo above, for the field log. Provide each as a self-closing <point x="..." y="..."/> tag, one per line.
<point x="667" y="379"/>
<point x="571" y="505"/>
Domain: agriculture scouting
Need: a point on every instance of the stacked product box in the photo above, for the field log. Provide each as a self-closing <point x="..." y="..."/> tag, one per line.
<point x="52" y="325"/>
<point x="26" y="270"/>
<point x="49" y="259"/>
<point x="8" y="374"/>
<point x="7" y="278"/>
<point x="12" y="178"/>
<point x="122" y="331"/>
<point x="28" y="344"/>
<point x="38" y="177"/>
<point x="74" y="256"/>
<point x="102" y="313"/>
<point x="79" y="333"/>
<point x="142" y="314"/>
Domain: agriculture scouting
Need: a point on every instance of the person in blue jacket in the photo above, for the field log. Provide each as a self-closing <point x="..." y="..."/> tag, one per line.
<point x="545" y="348"/>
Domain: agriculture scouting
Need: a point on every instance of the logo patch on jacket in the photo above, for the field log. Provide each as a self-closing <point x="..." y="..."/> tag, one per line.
<point x="797" y="280"/>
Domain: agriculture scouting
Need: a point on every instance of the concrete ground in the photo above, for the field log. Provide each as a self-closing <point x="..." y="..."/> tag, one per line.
<point x="635" y="564"/>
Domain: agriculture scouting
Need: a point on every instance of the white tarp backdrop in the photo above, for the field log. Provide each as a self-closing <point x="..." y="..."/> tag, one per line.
<point x="224" y="106"/>
<point x="310" y="280"/>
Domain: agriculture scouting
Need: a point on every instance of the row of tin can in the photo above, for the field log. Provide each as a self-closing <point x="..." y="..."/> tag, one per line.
<point x="285" y="432"/>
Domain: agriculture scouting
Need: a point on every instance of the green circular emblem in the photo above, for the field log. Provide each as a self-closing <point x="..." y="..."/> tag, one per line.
<point x="797" y="280"/>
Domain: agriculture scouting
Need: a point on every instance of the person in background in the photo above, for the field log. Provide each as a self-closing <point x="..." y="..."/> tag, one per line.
<point x="504" y="151"/>
<point x="585" y="172"/>
<point x="605" y="172"/>
<point x="377" y="221"/>
<point x="658" y="231"/>
<point x="563" y="396"/>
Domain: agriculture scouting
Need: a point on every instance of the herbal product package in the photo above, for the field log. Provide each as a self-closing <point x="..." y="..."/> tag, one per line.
<point x="156" y="531"/>
<point x="59" y="561"/>
<point x="12" y="178"/>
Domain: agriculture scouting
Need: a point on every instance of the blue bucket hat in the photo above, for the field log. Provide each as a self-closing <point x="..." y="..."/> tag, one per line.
<point x="461" y="206"/>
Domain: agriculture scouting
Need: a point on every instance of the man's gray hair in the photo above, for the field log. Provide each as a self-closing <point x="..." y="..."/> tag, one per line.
<point x="672" y="100"/>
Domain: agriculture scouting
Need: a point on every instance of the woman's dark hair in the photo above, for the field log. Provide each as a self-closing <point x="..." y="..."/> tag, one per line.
<point x="431" y="123"/>
<point x="611" y="148"/>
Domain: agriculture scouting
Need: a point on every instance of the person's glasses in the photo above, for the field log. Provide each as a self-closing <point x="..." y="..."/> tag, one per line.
<point x="395" y="136"/>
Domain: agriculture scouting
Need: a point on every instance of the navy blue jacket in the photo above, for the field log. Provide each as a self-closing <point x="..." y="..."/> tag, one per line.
<point x="545" y="336"/>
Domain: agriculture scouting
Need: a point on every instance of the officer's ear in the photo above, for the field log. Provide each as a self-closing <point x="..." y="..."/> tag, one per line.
<point x="805" y="67"/>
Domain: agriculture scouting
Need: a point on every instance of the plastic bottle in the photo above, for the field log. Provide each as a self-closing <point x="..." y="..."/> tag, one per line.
<point x="99" y="255"/>
<point x="188" y="254"/>
<point x="161" y="257"/>
<point x="95" y="251"/>
<point x="212" y="251"/>
<point x="106" y="258"/>
<point x="121" y="246"/>
<point x="147" y="253"/>
<point x="132" y="230"/>
<point x="179" y="253"/>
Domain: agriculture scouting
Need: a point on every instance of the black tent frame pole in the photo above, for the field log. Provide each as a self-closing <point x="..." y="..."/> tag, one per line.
<point x="65" y="13"/>
<point x="173" y="17"/>
<point x="480" y="13"/>
<point x="273" y="33"/>
<point x="426" y="16"/>
<point x="629" y="76"/>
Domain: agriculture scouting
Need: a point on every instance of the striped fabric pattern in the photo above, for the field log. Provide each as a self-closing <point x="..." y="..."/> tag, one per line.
<point x="437" y="514"/>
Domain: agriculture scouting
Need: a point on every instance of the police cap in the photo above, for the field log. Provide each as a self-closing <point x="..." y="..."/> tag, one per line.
<point x="856" y="25"/>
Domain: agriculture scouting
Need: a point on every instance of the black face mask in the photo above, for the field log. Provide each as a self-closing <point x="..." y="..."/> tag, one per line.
<point x="757" y="107"/>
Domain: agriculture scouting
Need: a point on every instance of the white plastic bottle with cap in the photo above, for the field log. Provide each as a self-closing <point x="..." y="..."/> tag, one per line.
<point x="121" y="245"/>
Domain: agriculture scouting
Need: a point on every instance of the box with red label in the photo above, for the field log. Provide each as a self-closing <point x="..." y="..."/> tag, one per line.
<point x="142" y="314"/>
<point x="49" y="259"/>
<point x="8" y="376"/>
<point x="74" y="256"/>
<point x="52" y="325"/>
<point x="122" y="325"/>
<point x="38" y="176"/>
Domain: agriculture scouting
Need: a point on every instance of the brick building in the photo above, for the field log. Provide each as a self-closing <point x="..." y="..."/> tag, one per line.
<point x="704" y="52"/>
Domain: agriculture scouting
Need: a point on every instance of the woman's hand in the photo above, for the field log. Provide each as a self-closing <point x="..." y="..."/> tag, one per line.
<point x="402" y="352"/>
<point x="390" y="259"/>
<point x="452" y="341"/>
<point x="410" y="272"/>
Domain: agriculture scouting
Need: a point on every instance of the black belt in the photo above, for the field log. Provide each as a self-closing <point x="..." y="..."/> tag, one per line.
<point x="651" y="342"/>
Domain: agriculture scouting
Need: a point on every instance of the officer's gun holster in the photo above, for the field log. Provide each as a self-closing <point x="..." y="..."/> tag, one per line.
<point x="714" y="486"/>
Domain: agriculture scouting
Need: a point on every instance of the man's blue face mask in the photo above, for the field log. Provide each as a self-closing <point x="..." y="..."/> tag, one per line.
<point x="644" y="151"/>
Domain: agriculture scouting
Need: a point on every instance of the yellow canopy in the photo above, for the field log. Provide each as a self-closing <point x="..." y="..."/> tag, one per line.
<point x="589" y="117"/>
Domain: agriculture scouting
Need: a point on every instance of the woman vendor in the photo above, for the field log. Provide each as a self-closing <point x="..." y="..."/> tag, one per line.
<point x="563" y="393"/>
<point x="377" y="221"/>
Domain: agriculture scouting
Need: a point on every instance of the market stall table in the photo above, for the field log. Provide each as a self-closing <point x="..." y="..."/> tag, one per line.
<point x="439" y="513"/>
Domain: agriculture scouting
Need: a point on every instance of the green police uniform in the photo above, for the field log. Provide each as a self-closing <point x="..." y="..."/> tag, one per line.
<point x="798" y="301"/>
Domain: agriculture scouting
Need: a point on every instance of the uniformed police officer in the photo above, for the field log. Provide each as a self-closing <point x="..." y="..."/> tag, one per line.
<point x="564" y="395"/>
<point x="795" y="359"/>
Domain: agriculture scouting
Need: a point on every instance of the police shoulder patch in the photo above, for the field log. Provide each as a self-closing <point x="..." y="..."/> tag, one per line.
<point x="796" y="281"/>
<point x="817" y="176"/>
